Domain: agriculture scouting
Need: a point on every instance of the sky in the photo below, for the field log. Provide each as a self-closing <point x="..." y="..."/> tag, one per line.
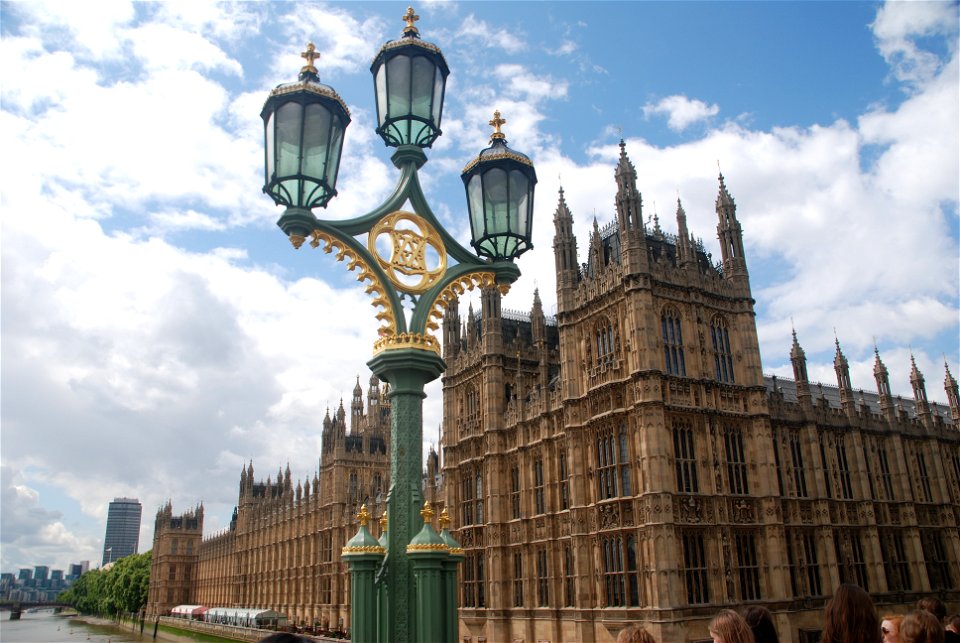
<point x="159" y="332"/>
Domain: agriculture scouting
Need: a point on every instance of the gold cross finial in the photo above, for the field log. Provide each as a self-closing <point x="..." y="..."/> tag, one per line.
<point x="410" y="17"/>
<point x="383" y="521"/>
<point x="363" y="516"/>
<point x="496" y="123"/>
<point x="426" y="512"/>
<point x="310" y="55"/>
<point x="445" y="517"/>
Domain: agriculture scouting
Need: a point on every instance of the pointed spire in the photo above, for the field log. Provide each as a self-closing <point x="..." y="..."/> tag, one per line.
<point x="882" y="377"/>
<point x="730" y="234"/>
<point x="842" y="369"/>
<point x="799" y="361"/>
<point x="919" y="392"/>
<point x="684" y="247"/>
<point x="629" y="201"/>
<point x="953" y="394"/>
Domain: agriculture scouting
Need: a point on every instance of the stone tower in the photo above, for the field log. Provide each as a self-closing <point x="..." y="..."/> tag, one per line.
<point x="173" y="564"/>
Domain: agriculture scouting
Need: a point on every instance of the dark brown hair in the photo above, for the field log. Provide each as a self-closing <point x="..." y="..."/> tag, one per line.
<point x="933" y="605"/>
<point x="850" y="618"/>
<point x="635" y="634"/>
<point x="921" y="626"/>
<point x="731" y="627"/>
<point x="760" y="621"/>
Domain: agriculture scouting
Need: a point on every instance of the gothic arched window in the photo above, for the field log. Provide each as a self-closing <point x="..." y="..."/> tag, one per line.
<point x="723" y="357"/>
<point x="672" y="342"/>
<point x="604" y="342"/>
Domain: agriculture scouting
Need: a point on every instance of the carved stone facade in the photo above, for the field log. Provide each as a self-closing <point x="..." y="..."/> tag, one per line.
<point x="628" y="461"/>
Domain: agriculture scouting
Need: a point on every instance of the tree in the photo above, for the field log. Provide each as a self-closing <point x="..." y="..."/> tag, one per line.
<point x="122" y="588"/>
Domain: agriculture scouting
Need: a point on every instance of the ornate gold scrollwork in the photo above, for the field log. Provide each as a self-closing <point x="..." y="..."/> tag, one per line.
<point x="469" y="281"/>
<point x="406" y="340"/>
<point x="377" y="289"/>
<point x="411" y="240"/>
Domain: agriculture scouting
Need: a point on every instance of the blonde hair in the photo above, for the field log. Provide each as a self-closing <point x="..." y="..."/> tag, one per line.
<point x="731" y="627"/>
<point x="635" y="634"/>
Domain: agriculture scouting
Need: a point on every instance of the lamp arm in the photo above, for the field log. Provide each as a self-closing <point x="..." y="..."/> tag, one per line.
<point x="460" y="278"/>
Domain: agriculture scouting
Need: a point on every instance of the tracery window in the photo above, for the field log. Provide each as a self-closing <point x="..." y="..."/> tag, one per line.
<point x="352" y="488"/>
<point x="538" y="499"/>
<point x="935" y="556"/>
<point x="473" y="583"/>
<point x="722" y="356"/>
<point x="471" y="497"/>
<point x="672" y="343"/>
<point x="924" y="477"/>
<point x="843" y="470"/>
<point x="695" y="568"/>
<point x="748" y="567"/>
<point x="684" y="458"/>
<point x="543" y="585"/>
<point x="564" y="483"/>
<point x="613" y="458"/>
<point x="886" y="480"/>
<point x="515" y="492"/>
<point x="620" y="579"/>
<point x="796" y="461"/>
<point x="568" y="576"/>
<point x="736" y="462"/>
<point x="850" y="562"/>
<point x="895" y="563"/>
<point x="804" y="568"/>
<point x="604" y="342"/>
<point x="518" y="580"/>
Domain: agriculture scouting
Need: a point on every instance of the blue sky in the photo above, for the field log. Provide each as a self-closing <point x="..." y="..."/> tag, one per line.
<point x="159" y="331"/>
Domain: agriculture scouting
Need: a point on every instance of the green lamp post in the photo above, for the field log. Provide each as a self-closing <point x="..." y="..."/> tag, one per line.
<point x="402" y="257"/>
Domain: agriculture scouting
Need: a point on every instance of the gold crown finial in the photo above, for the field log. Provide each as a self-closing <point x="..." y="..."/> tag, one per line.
<point x="426" y="512"/>
<point x="496" y="123"/>
<point x="310" y="55"/>
<point x="444" y="519"/>
<point x="410" y="17"/>
<point x="383" y="521"/>
<point x="363" y="516"/>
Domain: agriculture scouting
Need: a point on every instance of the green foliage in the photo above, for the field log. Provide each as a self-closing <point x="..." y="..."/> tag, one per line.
<point x="122" y="588"/>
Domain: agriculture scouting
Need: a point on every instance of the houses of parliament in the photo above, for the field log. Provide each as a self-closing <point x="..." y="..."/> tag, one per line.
<point x="624" y="461"/>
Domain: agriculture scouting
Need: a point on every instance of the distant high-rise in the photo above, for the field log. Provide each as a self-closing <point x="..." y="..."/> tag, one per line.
<point x="123" y="529"/>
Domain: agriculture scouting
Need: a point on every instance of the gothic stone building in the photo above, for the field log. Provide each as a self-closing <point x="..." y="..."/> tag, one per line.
<point x="626" y="461"/>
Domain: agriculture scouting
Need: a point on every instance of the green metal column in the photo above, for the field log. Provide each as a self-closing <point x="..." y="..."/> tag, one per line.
<point x="363" y="555"/>
<point x="451" y="626"/>
<point x="427" y="553"/>
<point x="407" y="370"/>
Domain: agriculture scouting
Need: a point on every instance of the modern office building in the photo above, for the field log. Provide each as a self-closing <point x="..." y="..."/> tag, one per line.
<point x="123" y="529"/>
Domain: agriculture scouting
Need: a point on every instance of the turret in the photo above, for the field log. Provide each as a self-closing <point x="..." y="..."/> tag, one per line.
<point x="882" y="377"/>
<point x="565" y="253"/>
<point x="953" y="395"/>
<point x="920" y="394"/>
<point x="451" y="329"/>
<point x="685" y="251"/>
<point x="356" y="409"/>
<point x="490" y="319"/>
<point x="799" y="360"/>
<point x="629" y="202"/>
<point x="471" y="327"/>
<point x="730" y="235"/>
<point x="842" y="368"/>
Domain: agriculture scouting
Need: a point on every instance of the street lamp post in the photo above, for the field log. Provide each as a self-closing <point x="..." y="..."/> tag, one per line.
<point x="403" y="586"/>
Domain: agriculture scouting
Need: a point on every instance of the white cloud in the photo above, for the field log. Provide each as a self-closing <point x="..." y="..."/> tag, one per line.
<point x="899" y="24"/>
<point x="681" y="112"/>
<point x="476" y="31"/>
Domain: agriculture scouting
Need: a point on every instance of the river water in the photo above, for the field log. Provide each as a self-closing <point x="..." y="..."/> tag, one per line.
<point x="44" y="627"/>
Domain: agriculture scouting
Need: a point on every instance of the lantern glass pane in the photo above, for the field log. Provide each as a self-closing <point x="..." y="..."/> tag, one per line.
<point x="496" y="198"/>
<point x="336" y="145"/>
<point x="475" y="203"/>
<point x="269" y="138"/>
<point x="316" y="139"/>
<point x="398" y="73"/>
<point x="289" y="126"/>
<point x="437" y="95"/>
<point x="421" y="90"/>
<point x="519" y="191"/>
<point x="381" y="94"/>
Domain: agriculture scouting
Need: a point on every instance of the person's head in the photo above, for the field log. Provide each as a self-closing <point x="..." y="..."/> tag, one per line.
<point x="760" y="621"/>
<point x="890" y="628"/>
<point x="729" y="627"/>
<point x="953" y="623"/>
<point x="921" y="626"/>
<point x="284" y="637"/>
<point x="850" y="618"/>
<point x="635" y="634"/>
<point x="933" y="605"/>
